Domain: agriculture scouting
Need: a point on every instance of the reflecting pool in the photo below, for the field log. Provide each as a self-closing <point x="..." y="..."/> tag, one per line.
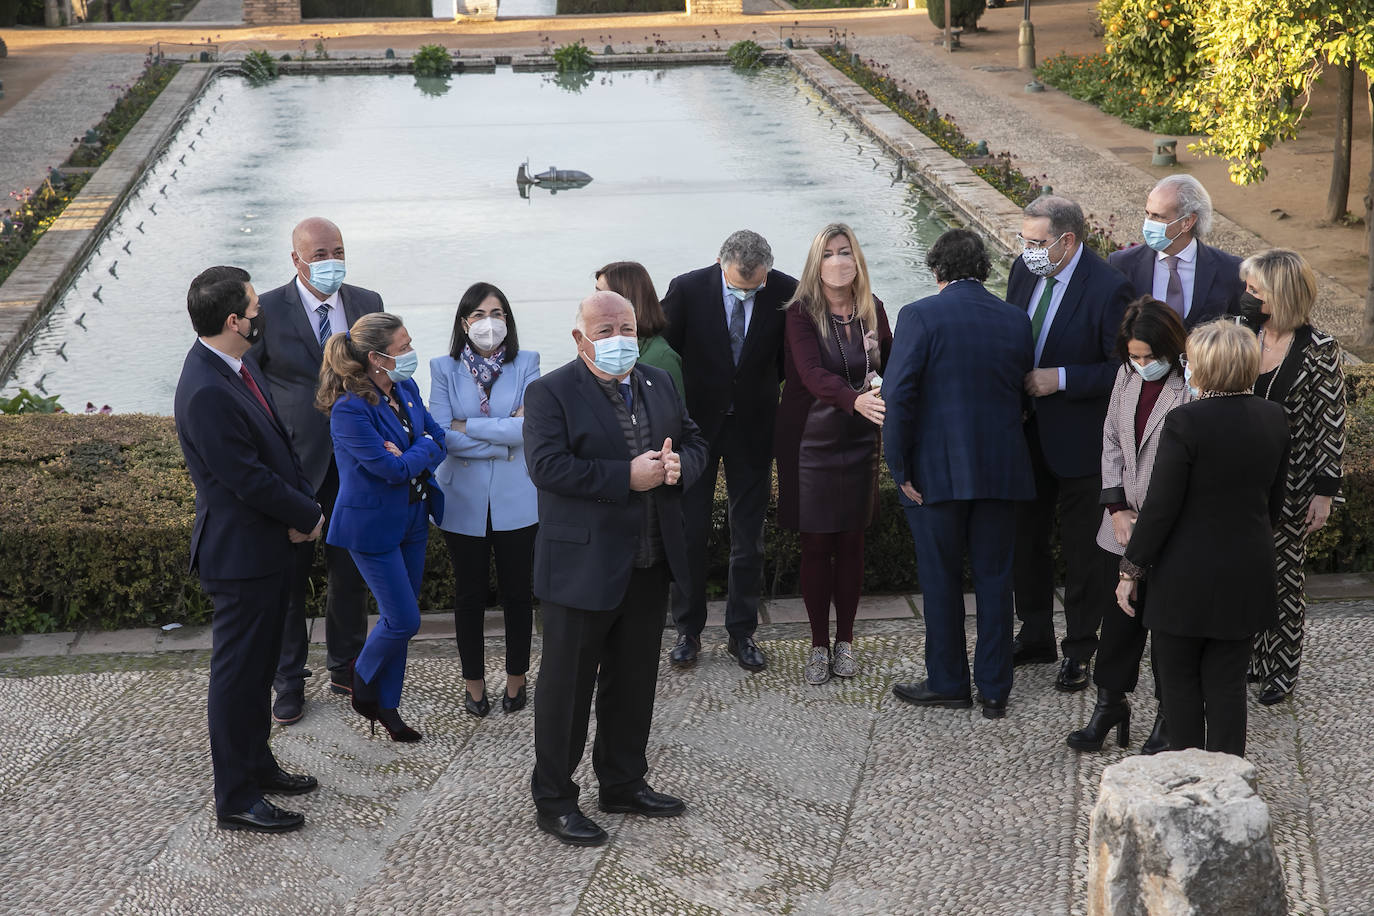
<point x="420" y="176"/>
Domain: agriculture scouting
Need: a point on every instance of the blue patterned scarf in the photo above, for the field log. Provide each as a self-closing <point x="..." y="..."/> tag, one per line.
<point x="486" y="370"/>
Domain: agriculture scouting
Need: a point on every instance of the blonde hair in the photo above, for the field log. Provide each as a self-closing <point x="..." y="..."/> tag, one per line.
<point x="345" y="362"/>
<point x="811" y="292"/>
<point x="1223" y="356"/>
<point x="1288" y="283"/>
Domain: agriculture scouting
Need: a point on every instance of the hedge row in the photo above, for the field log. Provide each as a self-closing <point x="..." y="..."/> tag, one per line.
<point x="98" y="515"/>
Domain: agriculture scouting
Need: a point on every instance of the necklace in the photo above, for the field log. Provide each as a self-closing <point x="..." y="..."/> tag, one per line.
<point x="839" y="342"/>
<point x="1274" y="372"/>
<point x="1224" y="394"/>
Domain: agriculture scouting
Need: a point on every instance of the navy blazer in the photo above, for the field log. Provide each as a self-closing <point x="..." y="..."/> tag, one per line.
<point x="373" y="507"/>
<point x="1082" y="339"/>
<point x="249" y="485"/>
<point x="588" y="524"/>
<point x="1216" y="281"/>
<point x="954" y="394"/>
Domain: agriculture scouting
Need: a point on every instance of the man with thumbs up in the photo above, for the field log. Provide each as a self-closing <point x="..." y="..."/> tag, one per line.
<point x="609" y="448"/>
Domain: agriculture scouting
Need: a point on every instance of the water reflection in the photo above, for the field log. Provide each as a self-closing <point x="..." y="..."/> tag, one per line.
<point x="420" y="185"/>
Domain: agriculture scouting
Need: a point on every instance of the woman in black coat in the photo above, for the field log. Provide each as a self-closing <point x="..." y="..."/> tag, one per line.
<point x="1205" y="540"/>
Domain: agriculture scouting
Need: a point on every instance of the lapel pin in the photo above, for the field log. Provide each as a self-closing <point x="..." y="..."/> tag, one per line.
<point x="649" y="383"/>
<point x="409" y="404"/>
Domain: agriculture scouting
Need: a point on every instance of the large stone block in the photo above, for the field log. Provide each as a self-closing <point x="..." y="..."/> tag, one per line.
<point x="1182" y="834"/>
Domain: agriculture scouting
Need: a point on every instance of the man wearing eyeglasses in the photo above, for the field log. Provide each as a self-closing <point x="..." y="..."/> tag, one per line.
<point x="1075" y="301"/>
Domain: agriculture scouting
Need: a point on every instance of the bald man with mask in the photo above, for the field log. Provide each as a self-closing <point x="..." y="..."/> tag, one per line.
<point x="298" y="317"/>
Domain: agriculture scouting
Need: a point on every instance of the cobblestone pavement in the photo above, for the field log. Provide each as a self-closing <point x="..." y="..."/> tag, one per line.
<point x="806" y="800"/>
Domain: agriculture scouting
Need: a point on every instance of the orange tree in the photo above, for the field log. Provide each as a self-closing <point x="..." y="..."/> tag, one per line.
<point x="1150" y="45"/>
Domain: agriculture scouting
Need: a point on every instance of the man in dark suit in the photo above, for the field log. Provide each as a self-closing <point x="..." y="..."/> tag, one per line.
<point x="609" y="448"/>
<point x="1197" y="281"/>
<point x="953" y="442"/>
<point x="1075" y="302"/>
<point x="252" y="503"/>
<point x="297" y="319"/>
<point x="726" y="323"/>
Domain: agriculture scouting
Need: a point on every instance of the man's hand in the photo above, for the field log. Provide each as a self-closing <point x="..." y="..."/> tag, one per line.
<point x="910" y="493"/>
<point x="1042" y="382"/>
<point x="1122" y="523"/>
<point x="672" y="463"/>
<point x="646" y="471"/>
<point x="297" y="537"/>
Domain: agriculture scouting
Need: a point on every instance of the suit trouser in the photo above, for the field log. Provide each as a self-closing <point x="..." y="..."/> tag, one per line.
<point x="394" y="577"/>
<point x="1203" y="684"/>
<point x="471" y="558"/>
<point x="246" y="638"/>
<point x="748" y="483"/>
<point x="943" y="532"/>
<point x="616" y="652"/>
<point x="1076" y="499"/>
<point x="345" y="606"/>
<point x="1122" y="645"/>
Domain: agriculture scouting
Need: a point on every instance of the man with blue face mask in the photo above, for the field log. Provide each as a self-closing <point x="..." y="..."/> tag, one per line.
<point x="610" y="449"/>
<point x="298" y="318"/>
<point x="1197" y="281"/>
<point x="1075" y="302"/>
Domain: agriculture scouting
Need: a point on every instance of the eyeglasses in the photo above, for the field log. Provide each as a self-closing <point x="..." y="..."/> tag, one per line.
<point x="1182" y="361"/>
<point x="1037" y="243"/>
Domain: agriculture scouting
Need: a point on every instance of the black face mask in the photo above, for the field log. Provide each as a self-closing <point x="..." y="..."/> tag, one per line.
<point x="254" y="327"/>
<point x="1250" y="314"/>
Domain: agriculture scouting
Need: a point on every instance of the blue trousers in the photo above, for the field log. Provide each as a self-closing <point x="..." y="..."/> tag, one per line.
<point x="394" y="578"/>
<point x="985" y="530"/>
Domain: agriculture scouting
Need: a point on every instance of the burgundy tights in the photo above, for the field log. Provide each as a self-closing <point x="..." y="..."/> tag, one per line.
<point x="832" y="568"/>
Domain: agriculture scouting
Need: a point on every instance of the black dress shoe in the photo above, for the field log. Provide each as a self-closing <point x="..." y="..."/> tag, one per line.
<point x="1024" y="653"/>
<point x="284" y="783"/>
<point x="575" y="829"/>
<point x="920" y="694"/>
<point x="646" y="802"/>
<point x="289" y="708"/>
<point x="684" y="654"/>
<point x="513" y="703"/>
<point x="341" y="683"/>
<point x="1271" y="695"/>
<point x="478" y="708"/>
<point x="1073" y="675"/>
<point x="992" y="709"/>
<point x="264" y="817"/>
<point x="1158" y="740"/>
<point x="747" y="653"/>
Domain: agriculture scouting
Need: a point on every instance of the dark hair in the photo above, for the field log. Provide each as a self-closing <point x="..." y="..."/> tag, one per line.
<point x="215" y="294"/>
<point x="475" y="295"/>
<point x="1150" y="321"/>
<point x="631" y="280"/>
<point x="959" y="254"/>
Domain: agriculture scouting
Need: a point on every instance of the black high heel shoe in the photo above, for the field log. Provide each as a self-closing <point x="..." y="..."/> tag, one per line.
<point x="364" y="699"/>
<point x="398" y="730"/>
<point x="514" y="703"/>
<point x="1158" y="740"/>
<point x="478" y="708"/>
<point x="1111" y="710"/>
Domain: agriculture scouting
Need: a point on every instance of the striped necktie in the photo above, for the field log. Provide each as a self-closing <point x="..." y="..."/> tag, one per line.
<point x="325" y="330"/>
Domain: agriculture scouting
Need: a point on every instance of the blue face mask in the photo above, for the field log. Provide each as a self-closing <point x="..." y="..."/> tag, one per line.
<point x="615" y="355"/>
<point x="742" y="294"/>
<point x="1188" y="377"/>
<point x="1152" y="371"/>
<point x="406" y="364"/>
<point x="1156" y="233"/>
<point x="327" y="276"/>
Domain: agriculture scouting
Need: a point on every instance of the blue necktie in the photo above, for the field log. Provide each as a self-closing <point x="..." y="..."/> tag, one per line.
<point x="323" y="311"/>
<point x="628" y="395"/>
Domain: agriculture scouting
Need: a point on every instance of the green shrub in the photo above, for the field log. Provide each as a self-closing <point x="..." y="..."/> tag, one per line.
<point x="573" y="58"/>
<point x="260" y="66"/>
<point x="28" y="402"/>
<point x="432" y="60"/>
<point x="746" y="55"/>
<point x="965" y="13"/>
<point x="572" y="7"/>
<point x="1091" y="78"/>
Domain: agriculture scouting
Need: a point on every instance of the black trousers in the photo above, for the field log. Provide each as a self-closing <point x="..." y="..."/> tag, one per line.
<point x="345" y="606"/>
<point x="1122" y="645"/>
<point x="246" y="639"/>
<point x="1075" y="499"/>
<point x="1203" y="683"/>
<point x="471" y="559"/>
<point x="748" y="483"/>
<point x="615" y="653"/>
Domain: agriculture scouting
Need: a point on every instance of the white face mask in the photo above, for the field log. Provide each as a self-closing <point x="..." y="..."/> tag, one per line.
<point x="487" y="333"/>
<point x="1037" y="260"/>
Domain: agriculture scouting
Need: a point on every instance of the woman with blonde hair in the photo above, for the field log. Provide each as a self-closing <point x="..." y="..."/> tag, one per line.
<point x="386" y="445"/>
<point x="836" y="342"/>
<point x="1300" y="369"/>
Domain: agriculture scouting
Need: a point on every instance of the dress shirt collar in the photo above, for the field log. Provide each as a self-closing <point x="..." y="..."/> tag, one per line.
<point x="233" y="362"/>
<point x="309" y="300"/>
<point x="1188" y="254"/>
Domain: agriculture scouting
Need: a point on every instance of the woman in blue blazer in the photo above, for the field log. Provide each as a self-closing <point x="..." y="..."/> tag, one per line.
<point x="478" y="395"/>
<point x="386" y="445"/>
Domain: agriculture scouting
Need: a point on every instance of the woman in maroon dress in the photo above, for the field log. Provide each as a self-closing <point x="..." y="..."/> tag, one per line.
<point x="826" y="439"/>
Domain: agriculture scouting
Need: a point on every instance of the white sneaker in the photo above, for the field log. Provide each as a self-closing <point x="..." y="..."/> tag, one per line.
<point x="818" y="666"/>
<point x="844" y="664"/>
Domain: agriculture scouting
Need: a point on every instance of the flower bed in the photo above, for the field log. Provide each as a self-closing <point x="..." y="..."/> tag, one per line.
<point x="1090" y="78"/>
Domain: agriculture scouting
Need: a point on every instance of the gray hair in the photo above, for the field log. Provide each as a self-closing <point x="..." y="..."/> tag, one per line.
<point x="599" y="297"/>
<point x="1064" y="215"/>
<point x="1193" y="200"/>
<point x="746" y="251"/>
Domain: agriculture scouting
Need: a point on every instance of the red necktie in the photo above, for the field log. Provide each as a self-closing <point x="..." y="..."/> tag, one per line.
<point x="253" y="387"/>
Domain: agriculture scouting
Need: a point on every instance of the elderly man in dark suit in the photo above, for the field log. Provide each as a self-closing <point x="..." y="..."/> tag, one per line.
<point x="1075" y="301"/>
<point x="252" y="503"/>
<point x="609" y="449"/>
<point x="298" y="318"/>
<point x="726" y="323"/>
<point x="953" y="443"/>
<point x="1197" y="281"/>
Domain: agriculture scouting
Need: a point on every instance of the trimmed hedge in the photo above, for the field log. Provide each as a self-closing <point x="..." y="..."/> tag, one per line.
<point x="97" y="525"/>
<point x="366" y="9"/>
<point x="572" y="7"/>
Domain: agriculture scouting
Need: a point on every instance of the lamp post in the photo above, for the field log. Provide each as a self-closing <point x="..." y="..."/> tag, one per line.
<point x="949" y="30"/>
<point x="1026" y="51"/>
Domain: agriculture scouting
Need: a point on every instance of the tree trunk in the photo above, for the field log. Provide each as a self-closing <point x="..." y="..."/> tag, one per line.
<point x="1339" y="194"/>
<point x="1367" y="329"/>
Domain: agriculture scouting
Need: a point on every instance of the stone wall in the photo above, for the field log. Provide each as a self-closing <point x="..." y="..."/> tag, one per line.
<point x="715" y="7"/>
<point x="271" y="12"/>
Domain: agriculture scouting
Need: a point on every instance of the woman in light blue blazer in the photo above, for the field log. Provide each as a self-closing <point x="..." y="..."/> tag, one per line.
<point x="478" y="395"/>
<point x="386" y="445"/>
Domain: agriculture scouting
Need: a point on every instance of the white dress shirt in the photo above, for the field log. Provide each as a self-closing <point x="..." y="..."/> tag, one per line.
<point x="233" y="362"/>
<point x="338" y="322"/>
<point x="1187" y="272"/>
<point x="1061" y="283"/>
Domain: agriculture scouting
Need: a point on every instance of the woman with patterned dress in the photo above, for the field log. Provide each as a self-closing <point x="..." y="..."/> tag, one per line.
<point x="1300" y="369"/>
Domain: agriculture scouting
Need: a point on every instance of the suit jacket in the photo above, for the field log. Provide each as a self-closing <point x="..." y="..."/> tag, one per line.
<point x="1216" y="283"/>
<point x="1310" y="384"/>
<point x="1082" y="339"/>
<point x="698" y="331"/>
<point x="1205" y="531"/>
<point x="373" y="507"/>
<point x="1126" y="463"/>
<point x="249" y="485"/>
<point x="588" y="524"/>
<point x="954" y="393"/>
<point x="485" y="468"/>
<point x="290" y="355"/>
